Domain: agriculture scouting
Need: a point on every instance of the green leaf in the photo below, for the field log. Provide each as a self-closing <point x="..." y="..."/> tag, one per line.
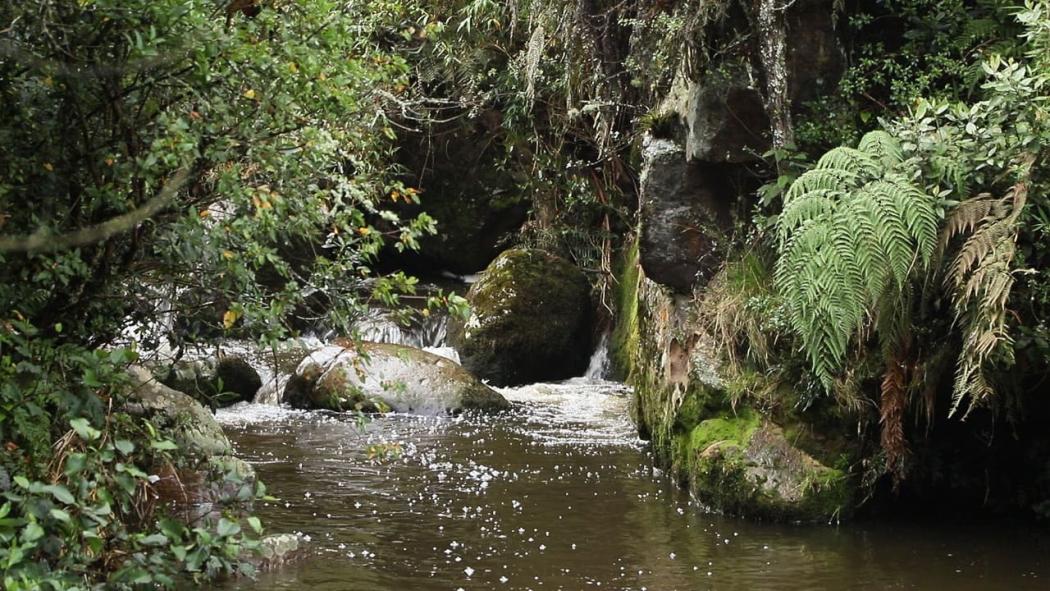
<point x="255" y="524"/>
<point x="84" y="429"/>
<point x="61" y="493"/>
<point x="227" y="528"/>
<point x="60" y="515"/>
<point x="164" y="445"/>
<point x="124" y="446"/>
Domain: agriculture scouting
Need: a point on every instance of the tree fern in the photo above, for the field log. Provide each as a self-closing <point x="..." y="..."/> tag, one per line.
<point x="852" y="232"/>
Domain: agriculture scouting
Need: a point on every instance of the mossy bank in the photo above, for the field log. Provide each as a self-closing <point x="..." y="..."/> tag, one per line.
<point x="766" y="463"/>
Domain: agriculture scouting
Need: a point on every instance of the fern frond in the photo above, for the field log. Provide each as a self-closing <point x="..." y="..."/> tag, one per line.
<point x="852" y="232"/>
<point x="963" y="218"/>
<point x="982" y="277"/>
<point x="883" y="147"/>
<point x="850" y="160"/>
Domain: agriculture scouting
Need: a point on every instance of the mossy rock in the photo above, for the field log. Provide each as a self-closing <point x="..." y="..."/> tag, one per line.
<point x="192" y="426"/>
<point x="743" y="465"/>
<point x="530" y="320"/>
<point x="379" y="377"/>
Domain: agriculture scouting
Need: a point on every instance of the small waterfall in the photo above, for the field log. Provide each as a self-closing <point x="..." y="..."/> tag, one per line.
<point x="428" y="333"/>
<point x="600" y="364"/>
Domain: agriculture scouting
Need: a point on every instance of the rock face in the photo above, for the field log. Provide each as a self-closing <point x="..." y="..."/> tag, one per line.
<point x="373" y="377"/>
<point x="530" y="320"/>
<point x="685" y="211"/>
<point x="725" y="117"/>
<point x="467" y="191"/>
<point x="733" y="458"/>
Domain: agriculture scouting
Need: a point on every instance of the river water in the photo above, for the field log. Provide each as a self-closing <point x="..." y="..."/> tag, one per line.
<point x="560" y="494"/>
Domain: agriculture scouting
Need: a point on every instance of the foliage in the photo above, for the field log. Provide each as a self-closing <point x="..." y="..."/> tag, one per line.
<point x="84" y="507"/>
<point x="937" y="205"/>
<point x="174" y="171"/>
<point x="900" y="51"/>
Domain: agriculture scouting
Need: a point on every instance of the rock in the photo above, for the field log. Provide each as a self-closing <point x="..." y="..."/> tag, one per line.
<point x="744" y="465"/>
<point x="216" y="382"/>
<point x="815" y="57"/>
<point x="5" y="480"/>
<point x="780" y="464"/>
<point x="685" y="212"/>
<point x="374" y="377"/>
<point x="530" y="320"/>
<point x="238" y="377"/>
<point x="191" y="425"/>
<point x="725" y="117"/>
<point x="468" y="191"/>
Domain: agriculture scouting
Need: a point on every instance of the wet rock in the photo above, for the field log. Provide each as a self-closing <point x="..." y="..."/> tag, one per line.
<point x="376" y="377"/>
<point x="725" y="117"/>
<point x="685" y="212"/>
<point x="190" y="424"/>
<point x="530" y="320"/>
<point x="216" y="382"/>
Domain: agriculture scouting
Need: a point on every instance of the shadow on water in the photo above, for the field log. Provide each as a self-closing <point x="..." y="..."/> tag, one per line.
<point x="559" y="495"/>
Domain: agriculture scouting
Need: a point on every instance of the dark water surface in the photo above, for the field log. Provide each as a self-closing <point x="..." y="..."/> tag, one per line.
<point x="559" y="495"/>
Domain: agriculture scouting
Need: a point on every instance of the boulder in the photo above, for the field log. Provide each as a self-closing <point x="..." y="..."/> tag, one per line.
<point x="217" y="382"/>
<point x="530" y="320"/>
<point x="685" y="211"/>
<point x="744" y="465"/>
<point x="725" y="117"/>
<point x="375" y="377"/>
<point x="192" y="426"/>
<point x="276" y="550"/>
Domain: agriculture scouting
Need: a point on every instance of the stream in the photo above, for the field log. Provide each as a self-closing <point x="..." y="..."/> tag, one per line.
<point x="560" y="494"/>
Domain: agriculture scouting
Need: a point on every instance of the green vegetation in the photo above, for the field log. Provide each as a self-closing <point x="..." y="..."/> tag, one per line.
<point x="189" y="171"/>
<point x="942" y="206"/>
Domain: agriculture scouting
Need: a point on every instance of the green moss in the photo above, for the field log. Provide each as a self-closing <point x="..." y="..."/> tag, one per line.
<point x="624" y="346"/>
<point x="733" y="429"/>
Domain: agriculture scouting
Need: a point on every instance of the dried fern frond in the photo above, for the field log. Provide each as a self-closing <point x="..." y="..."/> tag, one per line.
<point x="981" y="277"/>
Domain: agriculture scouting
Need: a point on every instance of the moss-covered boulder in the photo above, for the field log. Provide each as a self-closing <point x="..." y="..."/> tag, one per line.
<point x="377" y="377"/>
<point x="192" y="426"/>
<point x="744" y="465"/>
<point x="530" y="320"/>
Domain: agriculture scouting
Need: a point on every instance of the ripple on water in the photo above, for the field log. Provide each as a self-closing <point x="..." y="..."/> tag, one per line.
<point x="559" y="494"/>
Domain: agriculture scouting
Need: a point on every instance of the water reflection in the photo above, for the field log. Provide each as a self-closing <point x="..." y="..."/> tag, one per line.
<point x="558" y="495"/>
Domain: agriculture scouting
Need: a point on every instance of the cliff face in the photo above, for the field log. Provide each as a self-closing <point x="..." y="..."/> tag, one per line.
<point x="734" y="455"/>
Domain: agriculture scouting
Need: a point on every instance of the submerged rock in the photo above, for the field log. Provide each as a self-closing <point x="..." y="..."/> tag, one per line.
<point x="376" y="377"/>
<point x="530" y="320"/>
<point x="276" y="550"/>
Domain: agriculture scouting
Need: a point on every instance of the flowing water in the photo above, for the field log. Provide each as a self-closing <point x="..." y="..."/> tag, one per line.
<point x="559" y="494"/>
